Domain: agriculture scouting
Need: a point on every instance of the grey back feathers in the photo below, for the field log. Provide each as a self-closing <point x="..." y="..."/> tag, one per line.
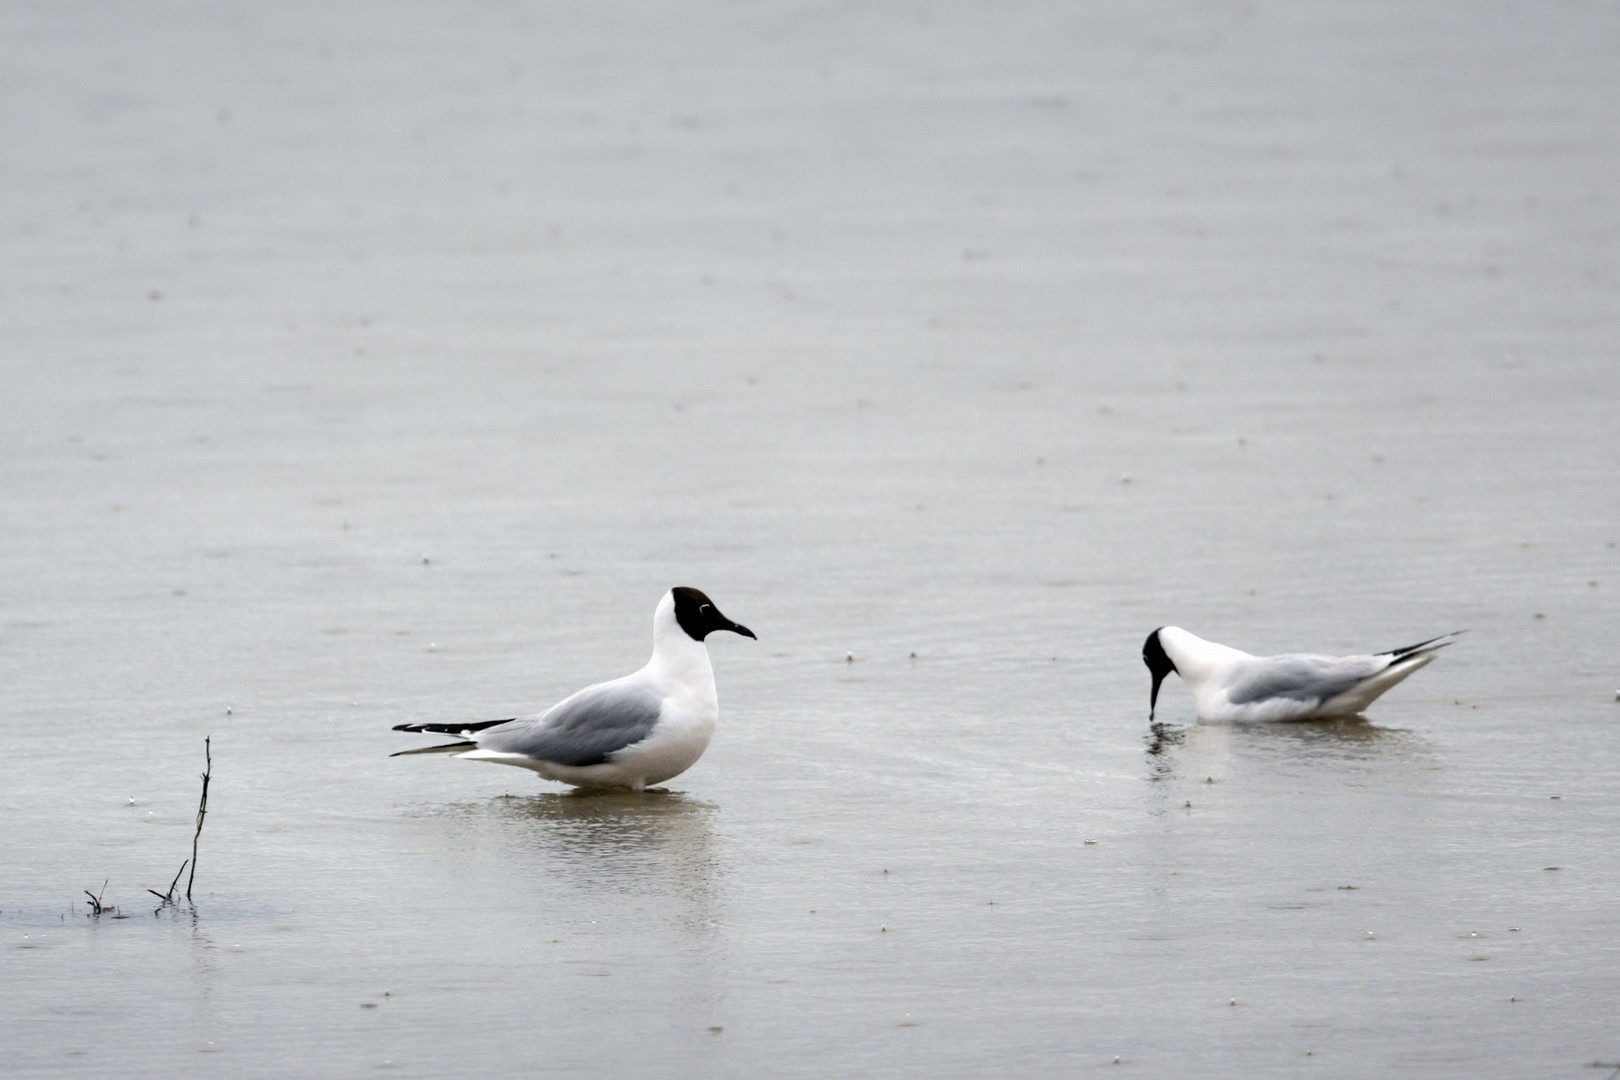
<point x="1310" y="678"/>
<point x="581" y="730"/>
<point x="1300" y="678"/>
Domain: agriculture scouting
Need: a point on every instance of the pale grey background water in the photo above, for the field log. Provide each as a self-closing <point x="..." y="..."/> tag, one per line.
<point x="997" y="334"/>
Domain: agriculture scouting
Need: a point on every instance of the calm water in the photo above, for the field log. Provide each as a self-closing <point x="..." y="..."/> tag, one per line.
<point x="387" y="362"/>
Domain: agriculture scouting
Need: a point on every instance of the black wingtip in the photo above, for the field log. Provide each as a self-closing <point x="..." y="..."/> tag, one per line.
<point x="451" y="729"/>
<point x="1401" y="654"/>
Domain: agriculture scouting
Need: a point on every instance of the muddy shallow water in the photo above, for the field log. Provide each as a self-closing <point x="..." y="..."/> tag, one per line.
<point x="369" y="365"/>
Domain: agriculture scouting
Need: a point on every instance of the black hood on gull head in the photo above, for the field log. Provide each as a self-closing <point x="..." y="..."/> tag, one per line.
<point x="699" y="617"/>
<point x="1158" y="664"/>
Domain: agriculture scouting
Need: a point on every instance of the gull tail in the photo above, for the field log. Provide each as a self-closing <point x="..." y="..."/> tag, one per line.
<point x="445" y="729"/>
<point x="1402" y="662"/>
<point x="1424" y="649"/>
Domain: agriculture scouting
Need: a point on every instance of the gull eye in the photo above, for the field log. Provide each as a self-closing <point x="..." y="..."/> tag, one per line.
<point x="704" y="607"/>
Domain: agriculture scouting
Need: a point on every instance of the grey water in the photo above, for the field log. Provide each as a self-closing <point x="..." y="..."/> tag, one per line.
<point x="374" y="363"/>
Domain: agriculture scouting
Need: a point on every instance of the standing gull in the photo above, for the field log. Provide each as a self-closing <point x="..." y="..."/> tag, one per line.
<point x="1228" y="684"/>
<point x="631" y="732"/>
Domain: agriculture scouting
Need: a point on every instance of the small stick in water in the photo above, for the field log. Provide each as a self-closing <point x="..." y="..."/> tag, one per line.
<point x="168" y="897"/>
<point x="202" y="812"/>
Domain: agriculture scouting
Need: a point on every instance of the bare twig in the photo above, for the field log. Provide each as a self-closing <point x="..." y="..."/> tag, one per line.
<point x="168" y="897"/>
<point x="96" y="906"/>
<point x="202" y="812"/>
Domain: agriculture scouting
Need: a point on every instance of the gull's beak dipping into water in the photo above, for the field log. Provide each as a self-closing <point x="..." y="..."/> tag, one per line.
<point x="1159" y="665"/>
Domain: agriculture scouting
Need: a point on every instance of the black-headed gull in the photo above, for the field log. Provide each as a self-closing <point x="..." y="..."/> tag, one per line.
<point x="1228" y="684"/>
<point x="631" y="732"/>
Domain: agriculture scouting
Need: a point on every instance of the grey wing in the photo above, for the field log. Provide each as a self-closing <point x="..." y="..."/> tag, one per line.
<point x="583" y="729"/>
<point x="1299" y="677"/>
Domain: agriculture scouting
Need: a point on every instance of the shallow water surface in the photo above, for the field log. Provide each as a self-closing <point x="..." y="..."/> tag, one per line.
<point x="368" y="366"/>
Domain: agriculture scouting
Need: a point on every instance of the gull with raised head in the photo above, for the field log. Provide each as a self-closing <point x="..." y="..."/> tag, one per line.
<point x="1229" y="684"/>
<point x="631" y="732"/>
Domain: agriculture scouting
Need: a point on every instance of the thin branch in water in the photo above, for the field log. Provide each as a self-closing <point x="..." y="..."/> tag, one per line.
<point x="202" y="812"/>
<point x="96" y="906"/>
<point x="168" y="897"/>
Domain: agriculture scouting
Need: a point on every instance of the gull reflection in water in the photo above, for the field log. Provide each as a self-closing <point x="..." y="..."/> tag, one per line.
<point x="1343" y="744"/>
<point x="624" y="846"/>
